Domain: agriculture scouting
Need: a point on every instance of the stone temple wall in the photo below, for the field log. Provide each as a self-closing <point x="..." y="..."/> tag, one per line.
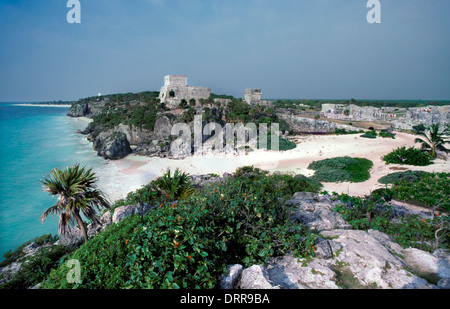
<point x="178" y="84"/>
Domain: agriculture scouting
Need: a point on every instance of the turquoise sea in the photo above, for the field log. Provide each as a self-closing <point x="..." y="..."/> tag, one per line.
<point x="34" y="141"/>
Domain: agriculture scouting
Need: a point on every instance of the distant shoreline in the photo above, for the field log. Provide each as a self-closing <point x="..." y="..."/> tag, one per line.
<point x="41" y="105"/>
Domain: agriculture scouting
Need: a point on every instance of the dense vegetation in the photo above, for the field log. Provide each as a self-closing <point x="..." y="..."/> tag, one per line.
<point x="410" y="176"/>
<point x="195" y="232"/>
<point x="189" y="242"/>
<point x="431" y="190"/>
<point x="240" y="111"/>
<point x="408" y="156"/>
<point x="371" y="212"/>
<point x="37" y="267"/>
<point x="132" y="109"/>
<point x="341" y="169"/>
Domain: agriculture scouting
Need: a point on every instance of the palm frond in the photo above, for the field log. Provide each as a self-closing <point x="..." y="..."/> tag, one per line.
<point x="65" y="223"/>
<point x="75" y="188"/>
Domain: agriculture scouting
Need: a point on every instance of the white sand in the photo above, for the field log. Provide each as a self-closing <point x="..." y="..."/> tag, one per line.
<point x="135" y="171"/>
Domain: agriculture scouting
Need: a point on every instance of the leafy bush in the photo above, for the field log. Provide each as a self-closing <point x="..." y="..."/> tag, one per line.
<point x="189" y="244"/>
<point x="370" y="134"/>
<point x="345" y="132"/>
<point x="410" y="176"/>
<point x="12" y="255"/>
<point x="146" y="194"/>
<point x="365" y="213"/>
<point x="431" y="190"/>
<point x="35" y="269"/>
<point x="408" y="156"/>
<point x="283" y="144"/>
<point x="387" y="134"/>
<point x="341" y="169"/>
<point x="139" y="114"/>
<point x="102" y="259"/>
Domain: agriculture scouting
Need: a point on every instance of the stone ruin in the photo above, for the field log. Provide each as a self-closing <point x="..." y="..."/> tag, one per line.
<point x="253" y="97"/>
<point x="400" y="118"/>
<point x="176" y="89"/>
<point x="358" y="113"/>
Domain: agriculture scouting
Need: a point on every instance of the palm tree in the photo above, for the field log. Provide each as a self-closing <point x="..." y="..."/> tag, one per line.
<point x="434" y="140"/>
<point x="173" y="187"/>
<point x="76" y="194"/>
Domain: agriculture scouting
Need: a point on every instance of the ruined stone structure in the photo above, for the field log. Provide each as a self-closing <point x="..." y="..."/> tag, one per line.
<point x="359" y="113"/>
<point x="176" y="89"/>
<point x="429" y="115"/>
<point x="400" y="118"/>
<point x="253" y="97"/>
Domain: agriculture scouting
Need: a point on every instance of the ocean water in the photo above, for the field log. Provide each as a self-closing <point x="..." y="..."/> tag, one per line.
<point x="34" y="140"/>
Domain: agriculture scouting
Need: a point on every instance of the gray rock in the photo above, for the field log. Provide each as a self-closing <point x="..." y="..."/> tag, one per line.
<point x="370" y="262"/>
<point x="300" y="124"/>
<point x="112" y="145"/>
<point x="443" y="284"/>
<point x="255" y="277"/>
<point x="231" y="280"/>
<point x="316" y="212"/>
<point x="72" y="239"/>
<point x="31" y="249"/>
<point x="290" y="273"/>
<point x="352" y="259"/>
<point x="121" y="213"/>
<point x="427" y="265"/>
<point x="7" y="272"/>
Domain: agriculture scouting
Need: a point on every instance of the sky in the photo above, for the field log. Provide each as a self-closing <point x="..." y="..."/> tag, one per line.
<point x="291" y="49"/>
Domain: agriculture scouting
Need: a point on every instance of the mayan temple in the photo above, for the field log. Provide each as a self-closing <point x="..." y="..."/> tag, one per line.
<point x="176" y="89"/>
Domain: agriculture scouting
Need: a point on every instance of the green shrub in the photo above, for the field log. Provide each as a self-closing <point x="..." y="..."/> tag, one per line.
<point x="341" y="169"/>
<point x="283" y="144"/>
<point x="190" y="243"/>
<point x="387" y="134"/>
<point x="431" y="190"/>
<point x="102" y="259"/>
<point x="408" y="156"/>
<point x="12" y="255"/>
<point x="345" y="132"/>
<point x="365" y="213"/>
<point x="370" y="134"/>
<point x="410" y="176"/>
<point x="35" y="269"/>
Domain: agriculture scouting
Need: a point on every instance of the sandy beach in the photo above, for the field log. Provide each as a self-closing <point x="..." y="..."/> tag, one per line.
<point x="136" y="171"/>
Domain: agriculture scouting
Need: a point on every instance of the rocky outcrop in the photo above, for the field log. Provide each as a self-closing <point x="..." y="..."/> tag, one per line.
<point x="300" y="124"/>
<point x="362" y="260"/>
<point x="344" y="258"/>
<point x="428" y="115"/>
<point x="121" y="213"/>
<point x="112" y="145"/>
<point x="7" y="272"/>
<point x="86" y="109"/>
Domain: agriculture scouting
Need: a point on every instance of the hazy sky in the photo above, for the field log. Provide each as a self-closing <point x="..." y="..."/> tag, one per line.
<point x="307" y="49"/>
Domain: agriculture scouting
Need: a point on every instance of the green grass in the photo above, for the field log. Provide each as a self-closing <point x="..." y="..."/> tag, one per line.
<point x="342" y="169"/>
